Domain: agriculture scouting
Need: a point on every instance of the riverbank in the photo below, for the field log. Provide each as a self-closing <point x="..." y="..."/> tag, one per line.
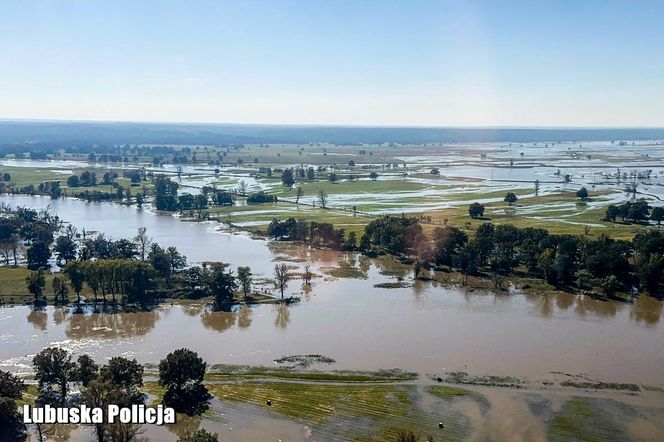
<point x="379" y="405"/>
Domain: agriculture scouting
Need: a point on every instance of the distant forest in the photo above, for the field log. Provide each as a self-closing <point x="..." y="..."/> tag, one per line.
<point x="86" y="133"/>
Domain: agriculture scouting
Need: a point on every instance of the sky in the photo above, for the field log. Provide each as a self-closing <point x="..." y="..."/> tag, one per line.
<point x="335" y="62"/>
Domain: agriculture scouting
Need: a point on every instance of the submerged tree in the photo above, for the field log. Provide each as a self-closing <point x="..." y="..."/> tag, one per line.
<point x="244" y="275"/>
<point x="281" y="278"/>
<point x="35" y="283"/>
<point x="322" y="198"/>
<point x="60" y="290"/>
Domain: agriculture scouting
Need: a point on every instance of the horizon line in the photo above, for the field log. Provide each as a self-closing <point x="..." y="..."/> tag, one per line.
<point x="330" y="125"/>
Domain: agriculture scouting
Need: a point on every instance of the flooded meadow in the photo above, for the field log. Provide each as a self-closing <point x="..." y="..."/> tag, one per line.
<point x="506" y="365"/>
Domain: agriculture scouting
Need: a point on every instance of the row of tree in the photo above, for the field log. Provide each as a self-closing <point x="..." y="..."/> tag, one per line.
<point x="562" y="260"/>
<point x="65" y="382"/>
<point x="312" y="232"/>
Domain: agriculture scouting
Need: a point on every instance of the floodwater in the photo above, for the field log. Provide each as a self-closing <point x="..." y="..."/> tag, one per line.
<point x="424" y="328"/>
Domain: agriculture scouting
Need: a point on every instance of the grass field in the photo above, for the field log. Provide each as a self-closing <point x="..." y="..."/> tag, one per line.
<point x="443" y="198"/>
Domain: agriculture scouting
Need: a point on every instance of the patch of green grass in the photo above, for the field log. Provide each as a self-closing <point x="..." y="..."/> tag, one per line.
<point x="585" y="419"/>
<point x="345" y="270"/>
<point x="314" y="403"/>
<point x="239" y="372"/>
<point x="13" y="284"/>
<point x="29" y="396"/>
<point x="448" y="392"/>
<point x="346" y="187"/>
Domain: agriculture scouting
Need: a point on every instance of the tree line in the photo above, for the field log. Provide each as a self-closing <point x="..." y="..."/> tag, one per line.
<point x="572" y="262"/>
<point x="63" y="381"/>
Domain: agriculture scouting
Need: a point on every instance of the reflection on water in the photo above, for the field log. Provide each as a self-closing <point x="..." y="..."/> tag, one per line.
<point x="581" y="305"/>
<point x="426" y="327"/>
<point x="282" y="318"/>
<point x="38" y="318"/>
<point x="218" y="320"/>
<point x="110" y="325"/>
<point x="646" y="309"/>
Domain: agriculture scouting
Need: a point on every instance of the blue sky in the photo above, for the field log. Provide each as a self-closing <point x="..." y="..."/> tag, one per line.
<point x="429" y="63"/>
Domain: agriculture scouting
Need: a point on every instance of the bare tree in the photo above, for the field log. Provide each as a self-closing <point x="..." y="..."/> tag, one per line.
<point x="242" y="189"/>
<point x="143" y="242"/>
<point x="281" y="278"/>
<point x="307" y="275"/>
<point x="298" y="195"/>
<point x="322" y="198"/>
<point x="15" y="244"/>
<point x="5" y="251"/>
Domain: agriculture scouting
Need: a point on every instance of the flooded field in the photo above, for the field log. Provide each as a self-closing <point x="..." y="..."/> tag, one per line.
<point x="558" y="348"/>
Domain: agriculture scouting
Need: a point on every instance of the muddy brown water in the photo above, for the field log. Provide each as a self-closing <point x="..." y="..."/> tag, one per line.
<point x="427" y="328"/>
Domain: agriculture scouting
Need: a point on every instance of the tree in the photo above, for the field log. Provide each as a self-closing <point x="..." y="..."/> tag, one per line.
<point x="222" y="284"/>
<point x="511" y="198"/>
<point x="307" y="275"/>
<point x="242" y="188"/>
<point x="373" y="175"/>
<point x="65" y="249"/>
<point x="657" y="214"/>
<point x="287" y="177"/>
<point x="298" y="194"/>
<point x="610" y="285"/>
<point x="200" y="435"/>
<point x="75" y="272"/>
<point x="245" y="277"/>
<point x="125" y="375"/>
<point x="537" y="187"/>
<point x="612" y="212"/>
<point x="11" y="386"/>
<point x="448" y="242"/>
<point x="476" y="210"/>
<point x="322" y="198"/>
<point x="281" y="278"/>
<point x="181" y="373"/>
<point x="117" y="383"/>
<point x="73" y="181"/>
<point x="638" y="210"/>
<point x="60" y="290"/>
<point x="176" y="260"/>
<point x="351" y="241"/>
<point x="332" y="177"/>
<point x="38" y="256"/>
<point x="12" y="427"/>
<point x="54" y="371"/>
<point x="35" y="283"/>
<point x="87" y="370"/>
<point x="142" y="242"/>
<point x="582" y="193"/>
